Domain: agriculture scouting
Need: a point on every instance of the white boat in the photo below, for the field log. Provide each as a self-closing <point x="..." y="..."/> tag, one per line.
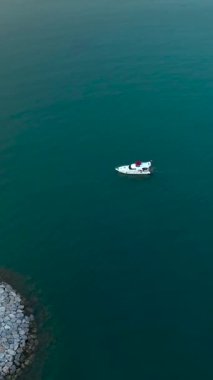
<point x="138" y="168"/>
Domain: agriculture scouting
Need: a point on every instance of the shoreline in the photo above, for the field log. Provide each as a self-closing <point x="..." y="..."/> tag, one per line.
<point x="18" y="333"/>
<point x="41" y="337"/>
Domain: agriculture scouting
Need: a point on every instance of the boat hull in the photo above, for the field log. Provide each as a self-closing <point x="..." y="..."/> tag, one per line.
<point x="126" y="171"/>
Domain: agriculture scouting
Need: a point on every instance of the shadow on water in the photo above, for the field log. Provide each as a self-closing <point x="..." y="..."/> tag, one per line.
<point x="33" y="305"/>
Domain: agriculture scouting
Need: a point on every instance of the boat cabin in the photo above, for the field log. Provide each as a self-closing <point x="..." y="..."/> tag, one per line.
<point x="139" y="165"/>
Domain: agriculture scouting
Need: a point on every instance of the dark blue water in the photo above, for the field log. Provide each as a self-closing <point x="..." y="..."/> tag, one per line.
<point x="125" y="265"/>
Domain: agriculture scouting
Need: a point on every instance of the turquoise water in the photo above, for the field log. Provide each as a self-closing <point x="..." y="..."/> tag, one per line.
<point x="125" y="265"/>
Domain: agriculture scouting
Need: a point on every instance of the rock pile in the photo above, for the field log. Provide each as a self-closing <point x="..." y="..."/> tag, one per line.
<point x="17" y="334"/>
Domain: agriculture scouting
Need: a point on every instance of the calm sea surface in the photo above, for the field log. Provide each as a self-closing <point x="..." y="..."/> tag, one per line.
<point x="125" y="265"/>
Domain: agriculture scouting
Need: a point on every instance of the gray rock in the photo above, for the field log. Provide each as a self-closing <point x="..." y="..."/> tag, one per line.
<point x="12" y="316"/>
<point x="17" y="357"/>
<point x="13" y="294"/>
<point x="15" y="335"/>
<point x="21" y="332"/>
<point x="7" y="327"/>
<point x="6" y="345"/>
<point x="11" y="352"/>
<point x="13" y="369"/>
<point x="15" y="346"/>
<point x="9" y="357"/>
<point x="5" y="369"/>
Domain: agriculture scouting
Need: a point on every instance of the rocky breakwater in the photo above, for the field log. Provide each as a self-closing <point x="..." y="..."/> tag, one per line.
<point x="18" y="337"/>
